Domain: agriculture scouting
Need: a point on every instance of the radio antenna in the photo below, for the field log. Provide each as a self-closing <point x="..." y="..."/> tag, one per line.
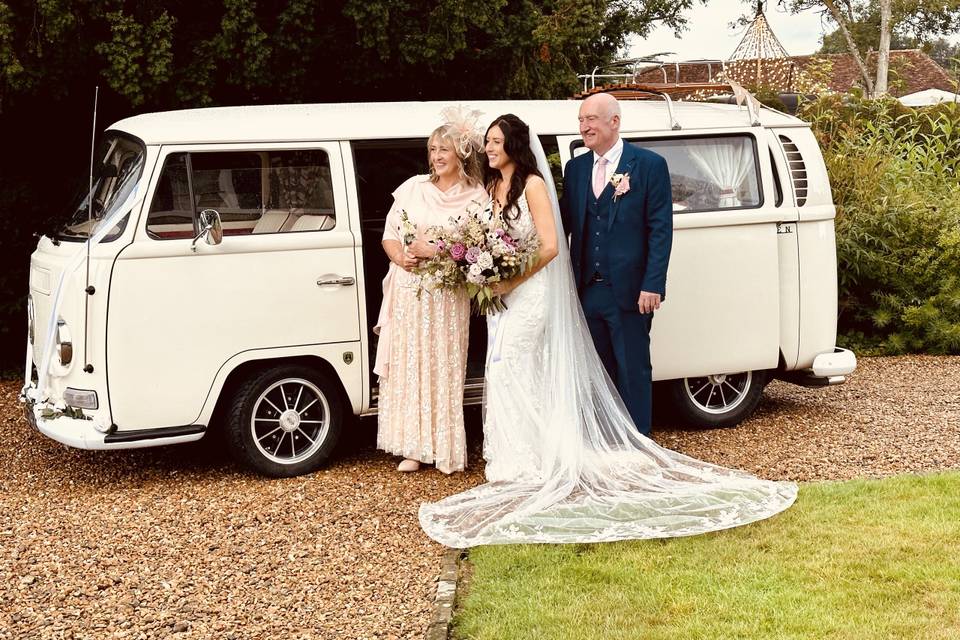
<point x="87" y="288"/>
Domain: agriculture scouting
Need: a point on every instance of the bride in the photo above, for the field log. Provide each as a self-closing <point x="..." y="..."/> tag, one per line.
<point x="564" y="460"/>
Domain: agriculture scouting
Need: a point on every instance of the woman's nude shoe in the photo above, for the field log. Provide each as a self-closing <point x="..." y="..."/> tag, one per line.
<point x="408" y="465"/>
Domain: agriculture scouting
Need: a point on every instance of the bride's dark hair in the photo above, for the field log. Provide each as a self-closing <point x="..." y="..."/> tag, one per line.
<point x="516" y="144"/>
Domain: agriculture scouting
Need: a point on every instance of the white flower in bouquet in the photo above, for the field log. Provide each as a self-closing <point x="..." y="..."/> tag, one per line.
<point x="485" y="260"/>
<point x="475" y="274"/>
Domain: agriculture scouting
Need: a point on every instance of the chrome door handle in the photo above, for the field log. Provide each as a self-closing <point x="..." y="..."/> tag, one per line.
<point x="345" y="281"/>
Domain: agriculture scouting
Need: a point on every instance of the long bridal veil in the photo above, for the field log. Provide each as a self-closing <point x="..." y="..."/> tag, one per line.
<point x="599" y="479"/>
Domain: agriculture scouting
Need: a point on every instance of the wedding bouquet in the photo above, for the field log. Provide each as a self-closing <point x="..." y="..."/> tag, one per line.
<point x="477" y="251"/>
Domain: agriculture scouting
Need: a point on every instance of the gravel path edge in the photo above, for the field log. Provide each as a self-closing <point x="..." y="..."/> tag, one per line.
<point x="447" y="584"/>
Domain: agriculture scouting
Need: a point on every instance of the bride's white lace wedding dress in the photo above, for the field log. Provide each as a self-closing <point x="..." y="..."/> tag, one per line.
<point x="514" y="374"/>
<point x="564" y="461"/>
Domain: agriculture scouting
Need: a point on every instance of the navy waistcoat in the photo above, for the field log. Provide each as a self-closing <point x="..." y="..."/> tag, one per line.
<point x="595" y="231"/>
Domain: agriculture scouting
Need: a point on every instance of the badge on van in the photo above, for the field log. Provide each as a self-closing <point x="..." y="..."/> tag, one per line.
<point x="348" y="357"/>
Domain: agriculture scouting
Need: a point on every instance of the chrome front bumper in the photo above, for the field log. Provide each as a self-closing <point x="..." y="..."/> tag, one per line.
<point x="80" y="433"/>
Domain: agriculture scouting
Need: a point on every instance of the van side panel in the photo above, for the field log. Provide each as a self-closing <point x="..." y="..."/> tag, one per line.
<point x="817" y="247"/>
<point x="789" y="258"/>
<point x="174" y="319"/>
<point x="818" y="290"/>
<point x="721" y="313"/>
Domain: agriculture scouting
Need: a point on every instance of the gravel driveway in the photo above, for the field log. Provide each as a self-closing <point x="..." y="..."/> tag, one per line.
<point x="177" y="542"/>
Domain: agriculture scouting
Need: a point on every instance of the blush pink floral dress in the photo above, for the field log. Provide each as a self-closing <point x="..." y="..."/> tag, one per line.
<point x="422" y="352"/>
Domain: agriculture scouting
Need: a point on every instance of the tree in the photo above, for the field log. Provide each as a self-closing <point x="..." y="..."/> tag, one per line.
<point x="149" y="56"/>
<point x="863" y="25"/>
<point x="214" y="51"/>
<point x="866" y="35"/>
<point x="944" y="52"/>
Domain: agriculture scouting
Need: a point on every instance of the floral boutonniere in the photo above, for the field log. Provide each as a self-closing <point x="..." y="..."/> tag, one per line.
<point x="621" y="184"/>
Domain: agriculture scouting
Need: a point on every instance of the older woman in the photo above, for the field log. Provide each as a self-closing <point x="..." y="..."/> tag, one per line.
<point x="422" y="354"/>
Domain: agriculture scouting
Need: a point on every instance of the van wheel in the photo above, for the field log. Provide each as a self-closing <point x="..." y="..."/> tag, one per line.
<point x="720" y="400"/>
<point x="285" y="421"/>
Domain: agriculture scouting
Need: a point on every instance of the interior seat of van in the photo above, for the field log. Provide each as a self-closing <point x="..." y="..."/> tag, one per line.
<point x="280" y="220"/>
<point x="271" y="221"/>
<point x="311" y="222"/>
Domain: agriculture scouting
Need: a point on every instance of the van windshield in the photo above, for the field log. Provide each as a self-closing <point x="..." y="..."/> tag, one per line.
<point x="118" y="164"/>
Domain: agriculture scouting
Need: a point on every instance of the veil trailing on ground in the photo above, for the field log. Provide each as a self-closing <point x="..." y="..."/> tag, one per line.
<point x="599" y="479"/>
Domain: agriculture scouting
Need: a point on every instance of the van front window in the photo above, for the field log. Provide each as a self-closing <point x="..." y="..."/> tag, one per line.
<point x="118" y="164"/>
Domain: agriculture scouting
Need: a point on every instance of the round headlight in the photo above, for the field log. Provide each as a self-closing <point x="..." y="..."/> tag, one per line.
<point x="64" y="343"/>
<point x="31" y="323"/>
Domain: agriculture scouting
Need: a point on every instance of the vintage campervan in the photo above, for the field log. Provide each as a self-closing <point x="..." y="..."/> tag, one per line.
<point x="227" y="272"/>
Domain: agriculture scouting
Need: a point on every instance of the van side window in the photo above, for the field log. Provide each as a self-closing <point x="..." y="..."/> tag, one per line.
<point x="255" y="192"/>
<point x="710" y="173"/>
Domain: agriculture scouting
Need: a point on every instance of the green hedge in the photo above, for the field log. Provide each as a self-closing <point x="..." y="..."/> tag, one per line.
<point x="894" y="172"/>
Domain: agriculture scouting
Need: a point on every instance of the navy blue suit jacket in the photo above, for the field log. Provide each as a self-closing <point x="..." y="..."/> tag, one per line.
<point x="640" y="223"/>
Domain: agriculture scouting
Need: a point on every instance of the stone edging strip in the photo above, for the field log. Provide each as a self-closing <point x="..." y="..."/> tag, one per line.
<point x="439" y="628"/>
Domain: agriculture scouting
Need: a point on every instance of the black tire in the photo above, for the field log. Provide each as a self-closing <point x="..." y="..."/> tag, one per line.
<point x="289" y="445"/>
<point x="717" y="401"/>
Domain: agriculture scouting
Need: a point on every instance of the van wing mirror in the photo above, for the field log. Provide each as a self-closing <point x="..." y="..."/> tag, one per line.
<point x="108" y="170"/>
<point x="211" y="229"/>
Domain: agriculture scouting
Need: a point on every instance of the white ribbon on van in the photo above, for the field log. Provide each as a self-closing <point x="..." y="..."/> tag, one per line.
<point x="39" y="394"/>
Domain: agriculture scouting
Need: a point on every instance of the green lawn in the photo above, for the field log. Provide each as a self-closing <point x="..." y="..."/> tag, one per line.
<point x="862" y="559"/>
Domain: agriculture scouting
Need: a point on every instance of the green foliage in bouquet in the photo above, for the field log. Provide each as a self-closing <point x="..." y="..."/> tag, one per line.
<point x="894" y="173"/>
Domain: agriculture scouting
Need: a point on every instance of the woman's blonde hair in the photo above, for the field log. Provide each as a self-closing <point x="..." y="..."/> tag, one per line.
<point x="470" y="167"/>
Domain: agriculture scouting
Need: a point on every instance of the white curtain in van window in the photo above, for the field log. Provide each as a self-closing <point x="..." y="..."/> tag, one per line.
<point x="726" y="162"/>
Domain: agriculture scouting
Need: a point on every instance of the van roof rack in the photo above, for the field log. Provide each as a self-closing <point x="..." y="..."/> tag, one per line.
<point x="628" y="88"/>
<point x="627" y="70"/>
<point x="637" y="92"/>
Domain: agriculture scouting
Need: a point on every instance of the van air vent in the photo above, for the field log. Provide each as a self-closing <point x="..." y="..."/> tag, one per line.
<point x="798" y="170"/>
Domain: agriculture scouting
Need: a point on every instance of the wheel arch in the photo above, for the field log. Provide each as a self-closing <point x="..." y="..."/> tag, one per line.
<point x="239" y="368"/>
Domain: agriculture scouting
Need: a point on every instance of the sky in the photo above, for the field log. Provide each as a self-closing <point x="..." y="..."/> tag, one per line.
<point x="710" y="35"/>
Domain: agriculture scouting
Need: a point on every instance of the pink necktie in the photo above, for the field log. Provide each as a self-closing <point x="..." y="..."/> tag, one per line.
<point x="600" y="177"/>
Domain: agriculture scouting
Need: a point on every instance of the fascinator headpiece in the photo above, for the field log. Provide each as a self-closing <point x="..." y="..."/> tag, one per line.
<point x="462" y="125"/>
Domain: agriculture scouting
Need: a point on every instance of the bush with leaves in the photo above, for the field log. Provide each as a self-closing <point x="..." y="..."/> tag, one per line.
<point x="894" y="173"/>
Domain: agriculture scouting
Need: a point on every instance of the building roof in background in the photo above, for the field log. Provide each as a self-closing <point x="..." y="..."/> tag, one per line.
<point x="911" y="70"/>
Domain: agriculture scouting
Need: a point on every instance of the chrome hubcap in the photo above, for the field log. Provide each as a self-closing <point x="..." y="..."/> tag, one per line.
<point x="290" y="421"/>
<point x="718" y="393"/>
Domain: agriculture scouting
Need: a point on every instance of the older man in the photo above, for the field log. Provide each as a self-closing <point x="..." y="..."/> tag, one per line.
<point x="617" y="208"/>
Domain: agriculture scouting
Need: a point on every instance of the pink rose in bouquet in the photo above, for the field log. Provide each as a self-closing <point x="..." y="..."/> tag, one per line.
<point x="457" y="251"/>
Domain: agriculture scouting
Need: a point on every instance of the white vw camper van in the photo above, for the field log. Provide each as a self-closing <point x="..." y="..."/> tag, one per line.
<point x="228" y="271"/>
